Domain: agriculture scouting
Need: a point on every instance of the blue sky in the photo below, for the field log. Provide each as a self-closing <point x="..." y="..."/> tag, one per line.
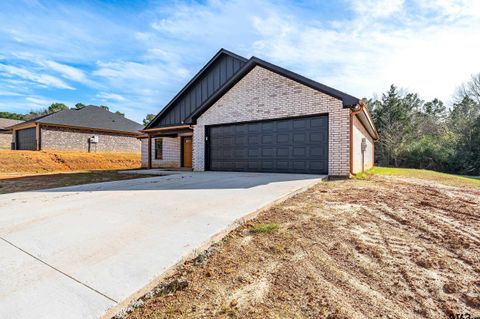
<point x="135" y="55"/>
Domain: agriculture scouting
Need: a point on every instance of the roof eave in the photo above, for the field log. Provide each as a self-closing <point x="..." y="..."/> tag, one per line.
<point x="348" y="101"/>
<point x="367" y="121"/>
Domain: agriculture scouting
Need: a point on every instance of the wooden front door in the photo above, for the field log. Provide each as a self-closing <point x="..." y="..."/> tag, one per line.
<point x="187" y="151"/>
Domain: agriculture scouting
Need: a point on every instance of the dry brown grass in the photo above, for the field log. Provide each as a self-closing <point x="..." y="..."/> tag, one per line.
<point x="20" y="163"/>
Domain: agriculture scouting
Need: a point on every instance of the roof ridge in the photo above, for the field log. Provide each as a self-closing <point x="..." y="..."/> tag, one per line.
<point x="347" y="100"/>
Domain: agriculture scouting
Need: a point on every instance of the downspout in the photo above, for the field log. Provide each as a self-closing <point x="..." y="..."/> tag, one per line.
<point x="38" y="136"/>
<point x="354" y="111"/>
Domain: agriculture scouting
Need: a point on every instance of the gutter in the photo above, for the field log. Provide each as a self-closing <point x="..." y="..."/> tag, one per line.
<point x="166" y="128"/>
<point x="354" y="111"/>
<point x="361" y="107"/>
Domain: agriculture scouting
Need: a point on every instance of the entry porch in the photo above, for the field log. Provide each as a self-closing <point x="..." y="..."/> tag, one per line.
<point x="168" y="147"/>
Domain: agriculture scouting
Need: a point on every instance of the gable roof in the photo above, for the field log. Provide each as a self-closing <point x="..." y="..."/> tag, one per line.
<point x="189" y="115"/>
<point x="221" y="67"/>
<point x="90" y="117"/>
<point x="347" y="100"/>
<point x="4" y="123"/>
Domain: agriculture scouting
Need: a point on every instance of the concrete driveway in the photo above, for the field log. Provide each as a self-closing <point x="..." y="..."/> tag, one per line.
<point x="75" y="252"/>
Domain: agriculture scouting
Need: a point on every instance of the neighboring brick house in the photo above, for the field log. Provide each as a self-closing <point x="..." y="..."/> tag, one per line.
<point x="250" y="115"/>
<point x="6" y="134"/>
<point x="88" y="129"/>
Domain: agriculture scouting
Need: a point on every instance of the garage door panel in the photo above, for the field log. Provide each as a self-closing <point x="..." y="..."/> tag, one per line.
<point x="240" y="140"/>
<point x="253" y="139"/>
<point x="283" y="165"/>
<point x="267" y="139"/>
<point x="300" y="165"/>
<point x="253" y="165"/>
<point x="254" y="128"/>
<point x="298" y="145"/>
<point x="283" y="152"/>
<point x="284" y="125"/>
<point x="299" y="138"/>
<point x="283" y="138"/>
<point x="267" y="165"/>
<point x="318" y="122"/>
<point x="299" y="151"/>
<point x="268" y="152"/>
<point x="317" y="137"/>
<point x="253" y="152"/>
<point x="317" y="165"/>
<point x="26" y="139"/>
<point x="317" y="151"/>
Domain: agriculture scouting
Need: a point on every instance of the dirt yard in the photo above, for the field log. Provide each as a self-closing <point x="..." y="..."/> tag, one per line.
<point x="20" y="163"/>
<point x="383" y="247"/>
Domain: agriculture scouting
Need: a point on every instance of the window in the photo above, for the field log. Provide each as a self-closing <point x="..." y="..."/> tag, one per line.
<point x="159" y="148"/>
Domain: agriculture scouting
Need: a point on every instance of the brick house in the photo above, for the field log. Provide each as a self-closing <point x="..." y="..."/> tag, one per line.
<point x="6" y="134"/>
<point x="242" y="114"/>
<point x="88" y="129"/>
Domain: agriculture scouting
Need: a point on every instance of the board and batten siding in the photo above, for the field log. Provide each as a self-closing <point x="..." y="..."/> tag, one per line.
<point x="262" y="94"/>
<point x="358" y="133"/>
<point x="203" y="88"/>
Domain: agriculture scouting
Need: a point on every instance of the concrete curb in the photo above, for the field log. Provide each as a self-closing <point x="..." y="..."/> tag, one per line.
<point x="204" y="246"/>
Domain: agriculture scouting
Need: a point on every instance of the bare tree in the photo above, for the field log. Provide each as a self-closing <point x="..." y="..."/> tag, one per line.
<point x="470" y="89"/>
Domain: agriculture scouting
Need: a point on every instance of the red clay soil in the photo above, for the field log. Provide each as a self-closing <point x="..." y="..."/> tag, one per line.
<point x="386" y="247"/>
<point x="18" y="163"/>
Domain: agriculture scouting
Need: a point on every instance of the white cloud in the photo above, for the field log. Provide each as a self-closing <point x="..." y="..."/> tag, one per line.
<point x="9" y="93"/>
<point x="364" y="57"/>
<point x="137" y="61"/>
<point x="41" y="79"/>
<point x="38" y="101"/>
<point x="67" y="71"/>
<point x="110" y="96"/>
<point x="452" y="7"/>
<point x="376" y="8"/>
<point x="140" y="78"/>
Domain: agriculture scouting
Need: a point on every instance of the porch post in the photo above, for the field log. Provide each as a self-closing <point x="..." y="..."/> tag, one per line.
<point x="149" y="151"/>
<point x="38" y="137"/>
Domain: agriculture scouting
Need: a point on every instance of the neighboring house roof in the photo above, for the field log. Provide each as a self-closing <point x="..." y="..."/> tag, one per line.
<point x="89" y="117"/>
<point x="4" y="123"/>
<point x="189" y="115"/>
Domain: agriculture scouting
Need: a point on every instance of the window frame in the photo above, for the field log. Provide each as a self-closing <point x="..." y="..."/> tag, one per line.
<point x="158" y="150"/>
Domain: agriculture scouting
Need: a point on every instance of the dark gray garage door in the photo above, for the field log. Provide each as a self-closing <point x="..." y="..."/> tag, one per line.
<point x="294" y="145"/>
<point x="26" y="139"/>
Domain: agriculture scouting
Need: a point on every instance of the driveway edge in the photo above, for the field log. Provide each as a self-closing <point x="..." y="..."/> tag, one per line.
<point x="204" y="246"/>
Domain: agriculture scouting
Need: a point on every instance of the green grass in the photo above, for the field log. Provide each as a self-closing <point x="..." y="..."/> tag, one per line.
<point x="264" y="228"/>
<point x="444" y="178"/>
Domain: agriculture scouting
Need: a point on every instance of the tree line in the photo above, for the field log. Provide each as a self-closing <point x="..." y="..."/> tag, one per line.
<point x="428" y="135"/>
<point x="54" y="107"/>
<point x="413" y="133"/>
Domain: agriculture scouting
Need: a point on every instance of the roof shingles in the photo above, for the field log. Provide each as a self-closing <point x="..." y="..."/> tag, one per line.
<point x="91" y="117"/>
<point x="4" y="123"/>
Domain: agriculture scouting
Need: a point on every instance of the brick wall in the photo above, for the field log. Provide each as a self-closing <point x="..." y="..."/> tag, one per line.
<point x="359" y="132"/>
<point x="5" y="141"/>
<point x="171" y="153"/>
<point x="66" y="139"/>
<point x="263" y="94"/>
